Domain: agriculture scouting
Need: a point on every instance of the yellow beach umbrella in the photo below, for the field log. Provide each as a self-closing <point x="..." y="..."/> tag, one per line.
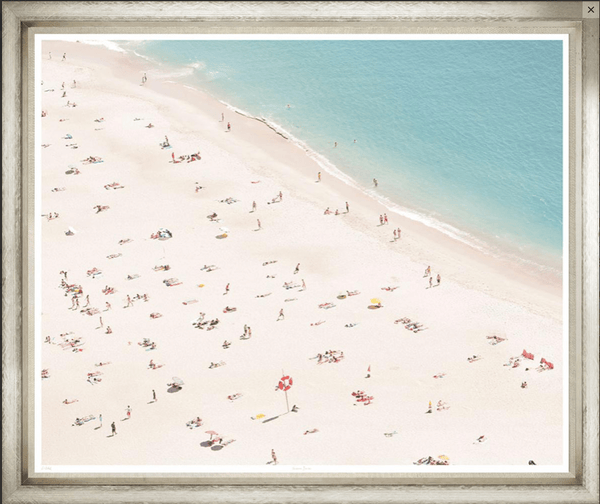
<point x="376" y="301"/>
<point x="443" y="457"/>
<point x="201" y="285"/>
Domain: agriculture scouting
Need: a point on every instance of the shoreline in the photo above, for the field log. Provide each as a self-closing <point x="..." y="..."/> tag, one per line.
<point x="336" y="254"/>
<point x="531" y="263"/>
<point x="545" y="280"/>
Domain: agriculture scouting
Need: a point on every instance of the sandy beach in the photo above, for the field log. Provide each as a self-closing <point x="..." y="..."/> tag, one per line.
<point x="138" y="199"/>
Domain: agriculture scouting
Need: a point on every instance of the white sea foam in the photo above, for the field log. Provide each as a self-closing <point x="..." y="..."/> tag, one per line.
<point x="198" y="65"/>
<point x="143" y="57"/>
<point x="109" y="44"/>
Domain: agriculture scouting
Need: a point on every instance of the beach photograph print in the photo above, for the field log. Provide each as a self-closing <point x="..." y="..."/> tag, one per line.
<point x="301" y="253"/>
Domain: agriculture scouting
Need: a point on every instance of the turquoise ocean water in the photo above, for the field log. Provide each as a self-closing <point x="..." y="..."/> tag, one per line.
<point x="466" y="136"/>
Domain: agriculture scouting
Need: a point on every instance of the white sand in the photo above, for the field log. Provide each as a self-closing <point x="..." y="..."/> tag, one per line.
<point x="479" y="296"/>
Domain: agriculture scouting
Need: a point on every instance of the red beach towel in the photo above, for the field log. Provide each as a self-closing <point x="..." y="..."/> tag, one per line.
<point x="527" y="355"/>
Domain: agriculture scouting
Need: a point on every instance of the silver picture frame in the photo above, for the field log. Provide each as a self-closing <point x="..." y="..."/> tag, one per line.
<point x="22" y="20"/>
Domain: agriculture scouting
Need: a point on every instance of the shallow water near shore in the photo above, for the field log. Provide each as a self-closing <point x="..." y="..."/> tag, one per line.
<point x="465" y="136"/>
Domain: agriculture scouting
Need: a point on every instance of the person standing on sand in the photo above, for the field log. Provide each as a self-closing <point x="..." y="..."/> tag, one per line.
<point x="399" y="231"/>
<point x="108" y="306"/>
<point x="430" y="282"/>
<point x="128" y="411"/>
<point x="439" y="279"/>
<point x="129" y="302"/>
<point x="381" y="220"/>
<point x="226" y="289"/>
<point x="303" y="285"/>
<point x="87" y="301"/>
<point x="297" y="268"/>
<point x="101" y="323"/>
<point x="108" y="330"/>
<point x="274" y="457"/>
<point x="395" y="237"/>
<point x="154" y="395"/>
<point x="100" y="419"/>
<point x="347" y="207"/>
<point x="254" y="206"/>
<point x="77" y="303"/>
<point x="385" y="220"/>
<point x="74" y="83"/>
<point x="281" y="315"/>
<point x="259" y="226"/>
<point x="319" y="176"/>
<point x="113" y="428"/>
<point x="64" y="57"/>
<point x="228" y="126"/>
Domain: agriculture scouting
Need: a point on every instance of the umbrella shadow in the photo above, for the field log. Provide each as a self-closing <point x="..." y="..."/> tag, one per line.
<point x="275" y="417"/>
<point x="270" y="419"/>
<point x="216" y="448"/>
<point x="172" y="390"/>
<point x="205" y="444"/>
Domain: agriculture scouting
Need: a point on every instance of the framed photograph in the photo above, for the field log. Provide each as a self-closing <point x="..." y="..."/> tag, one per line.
<point x="300" y="252"/>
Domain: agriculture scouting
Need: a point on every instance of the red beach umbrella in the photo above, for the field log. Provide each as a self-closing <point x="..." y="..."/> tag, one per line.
<point x="285" y="383"/>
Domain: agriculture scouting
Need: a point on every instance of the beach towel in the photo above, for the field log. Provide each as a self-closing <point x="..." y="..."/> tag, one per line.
<point x="549" y="364"/>
<point x="527" y="355"/>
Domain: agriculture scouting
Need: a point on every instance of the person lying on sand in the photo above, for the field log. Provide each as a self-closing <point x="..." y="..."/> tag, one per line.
<point x="196" y="422"/>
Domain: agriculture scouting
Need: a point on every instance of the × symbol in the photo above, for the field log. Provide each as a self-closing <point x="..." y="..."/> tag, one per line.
<point x="591" y="9"/>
